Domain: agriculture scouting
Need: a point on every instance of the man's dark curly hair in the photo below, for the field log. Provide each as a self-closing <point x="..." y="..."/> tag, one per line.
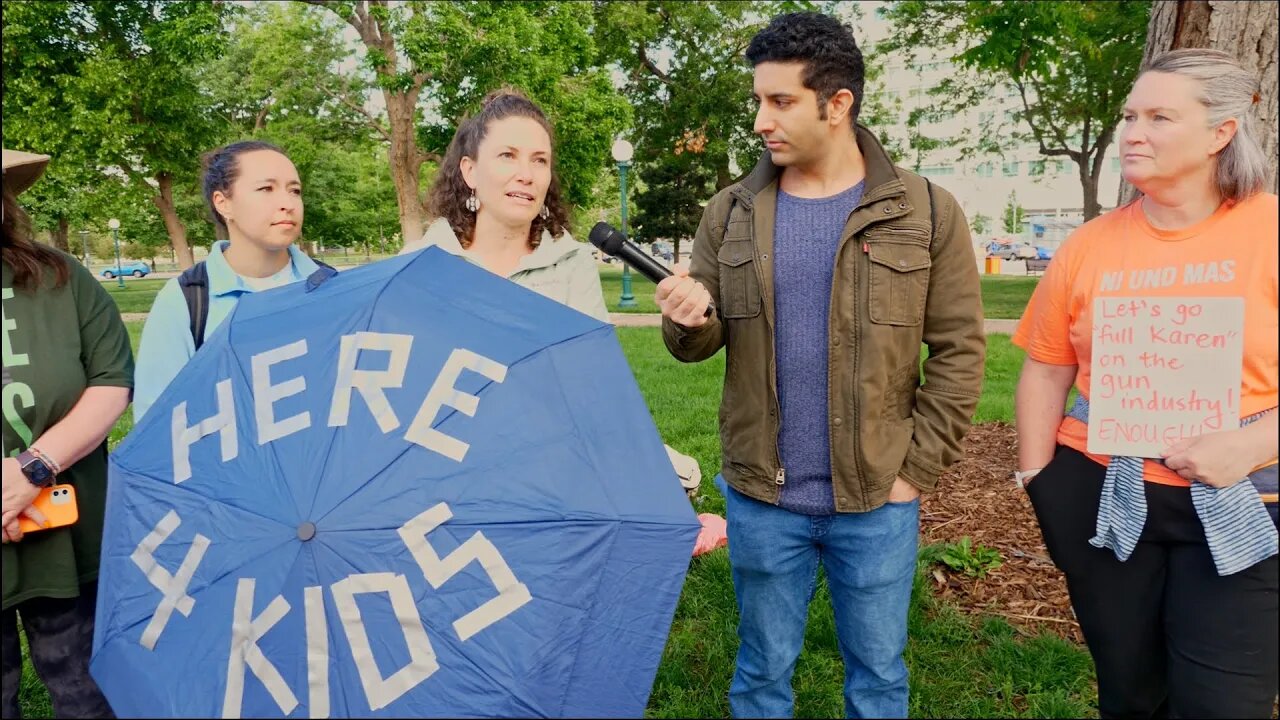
<point x="831" y="57"/>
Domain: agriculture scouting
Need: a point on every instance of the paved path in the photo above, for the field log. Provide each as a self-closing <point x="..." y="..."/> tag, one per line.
<point x="992" y="326"/>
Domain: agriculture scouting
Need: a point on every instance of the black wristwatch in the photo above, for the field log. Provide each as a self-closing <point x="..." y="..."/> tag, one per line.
<point x="37" y="469"/>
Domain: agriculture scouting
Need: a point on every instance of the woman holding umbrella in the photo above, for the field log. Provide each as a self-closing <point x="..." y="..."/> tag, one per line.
<point x="68" y="371"/>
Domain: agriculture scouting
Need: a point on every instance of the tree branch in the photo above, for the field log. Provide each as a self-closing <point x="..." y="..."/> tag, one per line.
<point x="386" y="40"/>
<point x="136" y="176"/>
<point x="648" y="64"/>
<point x="1045" y="150"/>
<point x="420" y="79"/>
<point x="353" y="22"/>
<point x="373" y="121"/>
<point x="424" y="157"/>
<point x="260" y="121"/>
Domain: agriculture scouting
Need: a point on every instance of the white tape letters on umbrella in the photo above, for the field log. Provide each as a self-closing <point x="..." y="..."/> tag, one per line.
<point x="512" y="593"/>
<point x="223" y="423"/>
<point x="172" y="587"/>
<point x="443" y="393"/>
<point x="245" y="632"/>
<point x="381" y="691"/>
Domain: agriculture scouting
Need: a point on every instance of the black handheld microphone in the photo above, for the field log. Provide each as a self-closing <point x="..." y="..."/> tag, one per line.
<point x="612" y="242"/>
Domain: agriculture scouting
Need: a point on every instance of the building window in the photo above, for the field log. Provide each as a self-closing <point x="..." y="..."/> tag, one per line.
<point x="1011" y="169"/>
<point x="1036" y="168"/>
<point x="936" y="170"/>
<point x="1115" y="164"/>
<point x="986" y="169"/>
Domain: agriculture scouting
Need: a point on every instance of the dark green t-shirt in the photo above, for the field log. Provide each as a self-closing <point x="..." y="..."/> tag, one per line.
<point x="57" y="342"/>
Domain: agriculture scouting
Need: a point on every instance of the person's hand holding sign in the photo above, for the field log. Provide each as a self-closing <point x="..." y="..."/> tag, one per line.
<point x="1223" y="459"/>
<point x="682" y="299"/>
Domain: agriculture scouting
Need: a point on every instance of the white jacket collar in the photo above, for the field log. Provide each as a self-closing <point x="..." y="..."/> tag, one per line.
<point x="549" y="252"/>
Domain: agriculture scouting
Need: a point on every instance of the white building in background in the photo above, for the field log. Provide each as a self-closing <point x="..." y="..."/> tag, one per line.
<point x="1047" y="188"/>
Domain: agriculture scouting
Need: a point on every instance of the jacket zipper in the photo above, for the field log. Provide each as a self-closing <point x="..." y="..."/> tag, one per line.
<point x="857" y="351"/>
<point x="780" y="478"/>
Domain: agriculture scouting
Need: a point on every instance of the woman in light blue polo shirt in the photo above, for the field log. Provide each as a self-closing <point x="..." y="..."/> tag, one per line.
<point x="254" y="194"/>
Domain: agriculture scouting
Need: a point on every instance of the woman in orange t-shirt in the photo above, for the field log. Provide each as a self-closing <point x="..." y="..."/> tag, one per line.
<point x="1168" y="543"/>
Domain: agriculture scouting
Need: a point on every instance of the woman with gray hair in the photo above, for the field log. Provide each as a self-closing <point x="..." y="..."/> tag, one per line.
<point x="1162" y="520"/>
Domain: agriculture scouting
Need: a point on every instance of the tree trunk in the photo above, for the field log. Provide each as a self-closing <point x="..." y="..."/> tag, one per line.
<point x="377" y="31"/>
<point x="405" y="161"/>
<point x="1247" y="30"/>
<point x="172" y="223"/>
<point x="1092" y="208"/>
<point x="58" y="235"/>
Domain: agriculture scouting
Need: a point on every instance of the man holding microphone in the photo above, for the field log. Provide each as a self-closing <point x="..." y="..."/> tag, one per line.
<point x="828" y="267"/>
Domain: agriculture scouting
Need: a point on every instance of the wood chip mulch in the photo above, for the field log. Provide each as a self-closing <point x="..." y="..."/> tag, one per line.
<point x="977" y="497"/>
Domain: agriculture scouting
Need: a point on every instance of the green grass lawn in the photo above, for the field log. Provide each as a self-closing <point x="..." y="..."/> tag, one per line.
<point x="960" y="667"/>
<point x="1002" y="296"/>
<point x="137" y="295"/>
<point x="641" y="288"/>
<point x="1005" y="296"/>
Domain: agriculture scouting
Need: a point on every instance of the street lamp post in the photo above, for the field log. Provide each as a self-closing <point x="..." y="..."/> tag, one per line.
<point x="84" y="242"/>
<point x="622" y="153"/>
<point x="114" y="224"/>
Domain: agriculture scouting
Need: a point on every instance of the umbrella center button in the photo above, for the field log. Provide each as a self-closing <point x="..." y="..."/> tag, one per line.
<point x="306" y="531"/>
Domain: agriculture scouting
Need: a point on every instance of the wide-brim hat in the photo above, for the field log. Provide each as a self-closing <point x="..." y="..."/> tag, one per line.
<point x="22" y="169"/>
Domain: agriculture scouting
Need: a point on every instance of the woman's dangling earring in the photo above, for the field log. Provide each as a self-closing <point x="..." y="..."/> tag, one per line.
<point x="473" y="202"/>
<point x="544" y="213"/>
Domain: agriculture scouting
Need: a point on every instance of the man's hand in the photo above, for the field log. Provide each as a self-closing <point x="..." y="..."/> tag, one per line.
<point x="682" y="299"/>
<point x="1220" y="459"/>
<point x="902" y="491"/>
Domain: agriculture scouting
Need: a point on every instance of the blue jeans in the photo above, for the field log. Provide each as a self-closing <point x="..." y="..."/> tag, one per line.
<point x="870" y="563"/>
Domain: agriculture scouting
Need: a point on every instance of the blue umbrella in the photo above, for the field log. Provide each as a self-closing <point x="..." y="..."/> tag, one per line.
<point x="413" y="489"/>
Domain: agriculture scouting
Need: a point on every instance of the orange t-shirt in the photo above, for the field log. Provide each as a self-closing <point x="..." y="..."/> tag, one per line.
<point x="1230" y="254"/>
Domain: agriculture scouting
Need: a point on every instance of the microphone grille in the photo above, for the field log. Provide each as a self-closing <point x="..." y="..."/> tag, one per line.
<point x="606" y="237"/>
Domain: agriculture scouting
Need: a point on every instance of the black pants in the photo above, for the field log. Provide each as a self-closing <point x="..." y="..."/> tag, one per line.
<point x="1168" y="635"/>
<point x="60" y="638"/>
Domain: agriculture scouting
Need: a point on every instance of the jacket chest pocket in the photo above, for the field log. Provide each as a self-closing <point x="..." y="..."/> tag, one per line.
<point x="899" y="282"/>
<point x="739" y="285"/>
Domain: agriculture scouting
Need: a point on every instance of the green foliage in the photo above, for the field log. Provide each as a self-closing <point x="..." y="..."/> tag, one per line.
<point x="1072" y="64"/>
<point x="675" y="188"/>
<point x="691" y="89"/>
<point x="980" y="224"/>
<point x="963" y="557"/>
<point x="702" y="94"/>
<point x="1013" y="216"/>
<point x="463" y="50"/>
<point x="281" y="71"/>
<point x="110" y="90"/>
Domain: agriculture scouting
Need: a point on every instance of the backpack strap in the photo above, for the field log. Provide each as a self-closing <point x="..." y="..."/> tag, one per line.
<point x="322" y="273"/>
<point x="194" y="282"/>
<point x="933" y="213"/>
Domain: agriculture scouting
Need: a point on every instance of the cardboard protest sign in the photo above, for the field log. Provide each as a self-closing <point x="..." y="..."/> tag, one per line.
<point x="1163" y="369"/>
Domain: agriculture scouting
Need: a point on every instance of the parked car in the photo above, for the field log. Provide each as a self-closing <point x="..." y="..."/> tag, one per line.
<point x="1014" y="251"/>
<point x="1044" y="253"/>
<point x="136" y="269"/>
